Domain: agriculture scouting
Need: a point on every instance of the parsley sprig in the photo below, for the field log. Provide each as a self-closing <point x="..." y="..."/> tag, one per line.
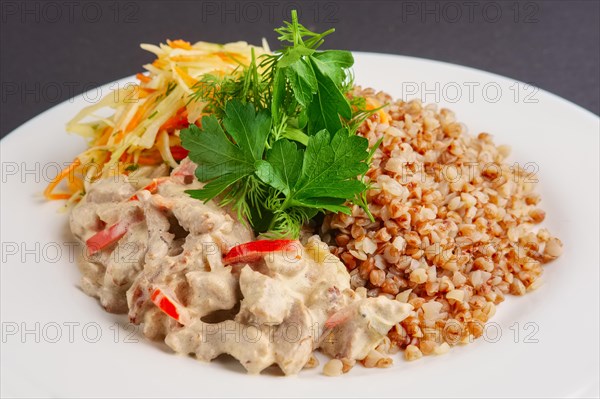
<point x="279" y="145"/>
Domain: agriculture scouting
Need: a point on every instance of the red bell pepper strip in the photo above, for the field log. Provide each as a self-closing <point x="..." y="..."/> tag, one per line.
<point x="106" y="237"/>
<point x="254" y="250"/>
<point x="176" y="122"/>
<point x="179" y="152"/>
<point x="169" y="306"/>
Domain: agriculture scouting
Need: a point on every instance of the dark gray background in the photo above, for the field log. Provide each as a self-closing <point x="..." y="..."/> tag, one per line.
<point x="52" y="50"/>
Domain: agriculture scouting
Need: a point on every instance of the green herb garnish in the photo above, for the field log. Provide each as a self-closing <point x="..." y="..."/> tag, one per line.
<point x="280" y="143"/>
<point x="133" y="167"/>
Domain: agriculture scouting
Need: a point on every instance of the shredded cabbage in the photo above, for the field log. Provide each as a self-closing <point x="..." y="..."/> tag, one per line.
<point x="140" y="128"/>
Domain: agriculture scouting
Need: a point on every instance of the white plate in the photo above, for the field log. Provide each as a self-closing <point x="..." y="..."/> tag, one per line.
<point x="549" y="339"/>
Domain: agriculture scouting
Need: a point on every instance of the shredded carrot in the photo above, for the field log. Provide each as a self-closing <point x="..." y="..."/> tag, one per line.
<point x="48" y="192"/>
<point x="228" y="56"/>
<point x="186" y="78"/>
<point x="145" y="92"/>
<point x="126" y="158"/>
<point x="143" y="78"/>
<point x="133" y="122"/>
<point x="143" y="160"/>
<point x="179" y="44"/>
<point x="75" y="184"/>
<point x="110" y="135"/>
<point x="159" y="63"/>
<point x="149" y="157"/>
<point x="61" y="196"/>
<point x="137" y="118"/>
<point x="373" y="104"/>
<point x="103" y="139"/>
<point x="183" y="58"/>
<point x="119" y="136"/>
<point x="383" y="117"/>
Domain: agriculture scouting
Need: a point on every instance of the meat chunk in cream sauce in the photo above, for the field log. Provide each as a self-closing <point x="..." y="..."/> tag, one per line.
<point x="167" y="273"/>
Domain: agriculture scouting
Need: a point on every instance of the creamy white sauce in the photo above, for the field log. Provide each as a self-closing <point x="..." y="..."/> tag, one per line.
<point x="275" y="311"/>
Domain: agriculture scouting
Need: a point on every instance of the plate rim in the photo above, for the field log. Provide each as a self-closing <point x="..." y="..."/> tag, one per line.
<point x="586" y="113"/>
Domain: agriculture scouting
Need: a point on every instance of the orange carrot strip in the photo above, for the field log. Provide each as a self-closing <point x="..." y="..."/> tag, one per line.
<point x="179" y="44"/>
<point x="186" y="78"/>
<point x="119" y="136"/>
<point x="59" y="196"/>
<point x="151" y="158"/>
<point x="145" y="92"/>
<point x="75" y="185"/>
<point x="126" y="158"/>
<point x="229" y="56"/>
<point x="372" y="104"/>
<point x="48" y="192"/>
<point x="143" y="78"/>
<point x="105" y="135"/>
<point x="183" y="58"/>
<point x="137" y="117"/>
<point x="159" y="63"/>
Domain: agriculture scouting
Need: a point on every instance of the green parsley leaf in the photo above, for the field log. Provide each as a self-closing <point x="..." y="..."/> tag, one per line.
<point x="333" y="63"/>
<point x="324" y="177"/>
<point x="327" y="106"/>
<point x="303" y="81"/>
<point x="216" y="186"/>
<point x="331" y="165"/>
<point x="293" y="55"/>
<point x="222" y="162"/>
<point x="280" y="144"/>
<point x="283" y="166"/>
<point x="247" y="128"/>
